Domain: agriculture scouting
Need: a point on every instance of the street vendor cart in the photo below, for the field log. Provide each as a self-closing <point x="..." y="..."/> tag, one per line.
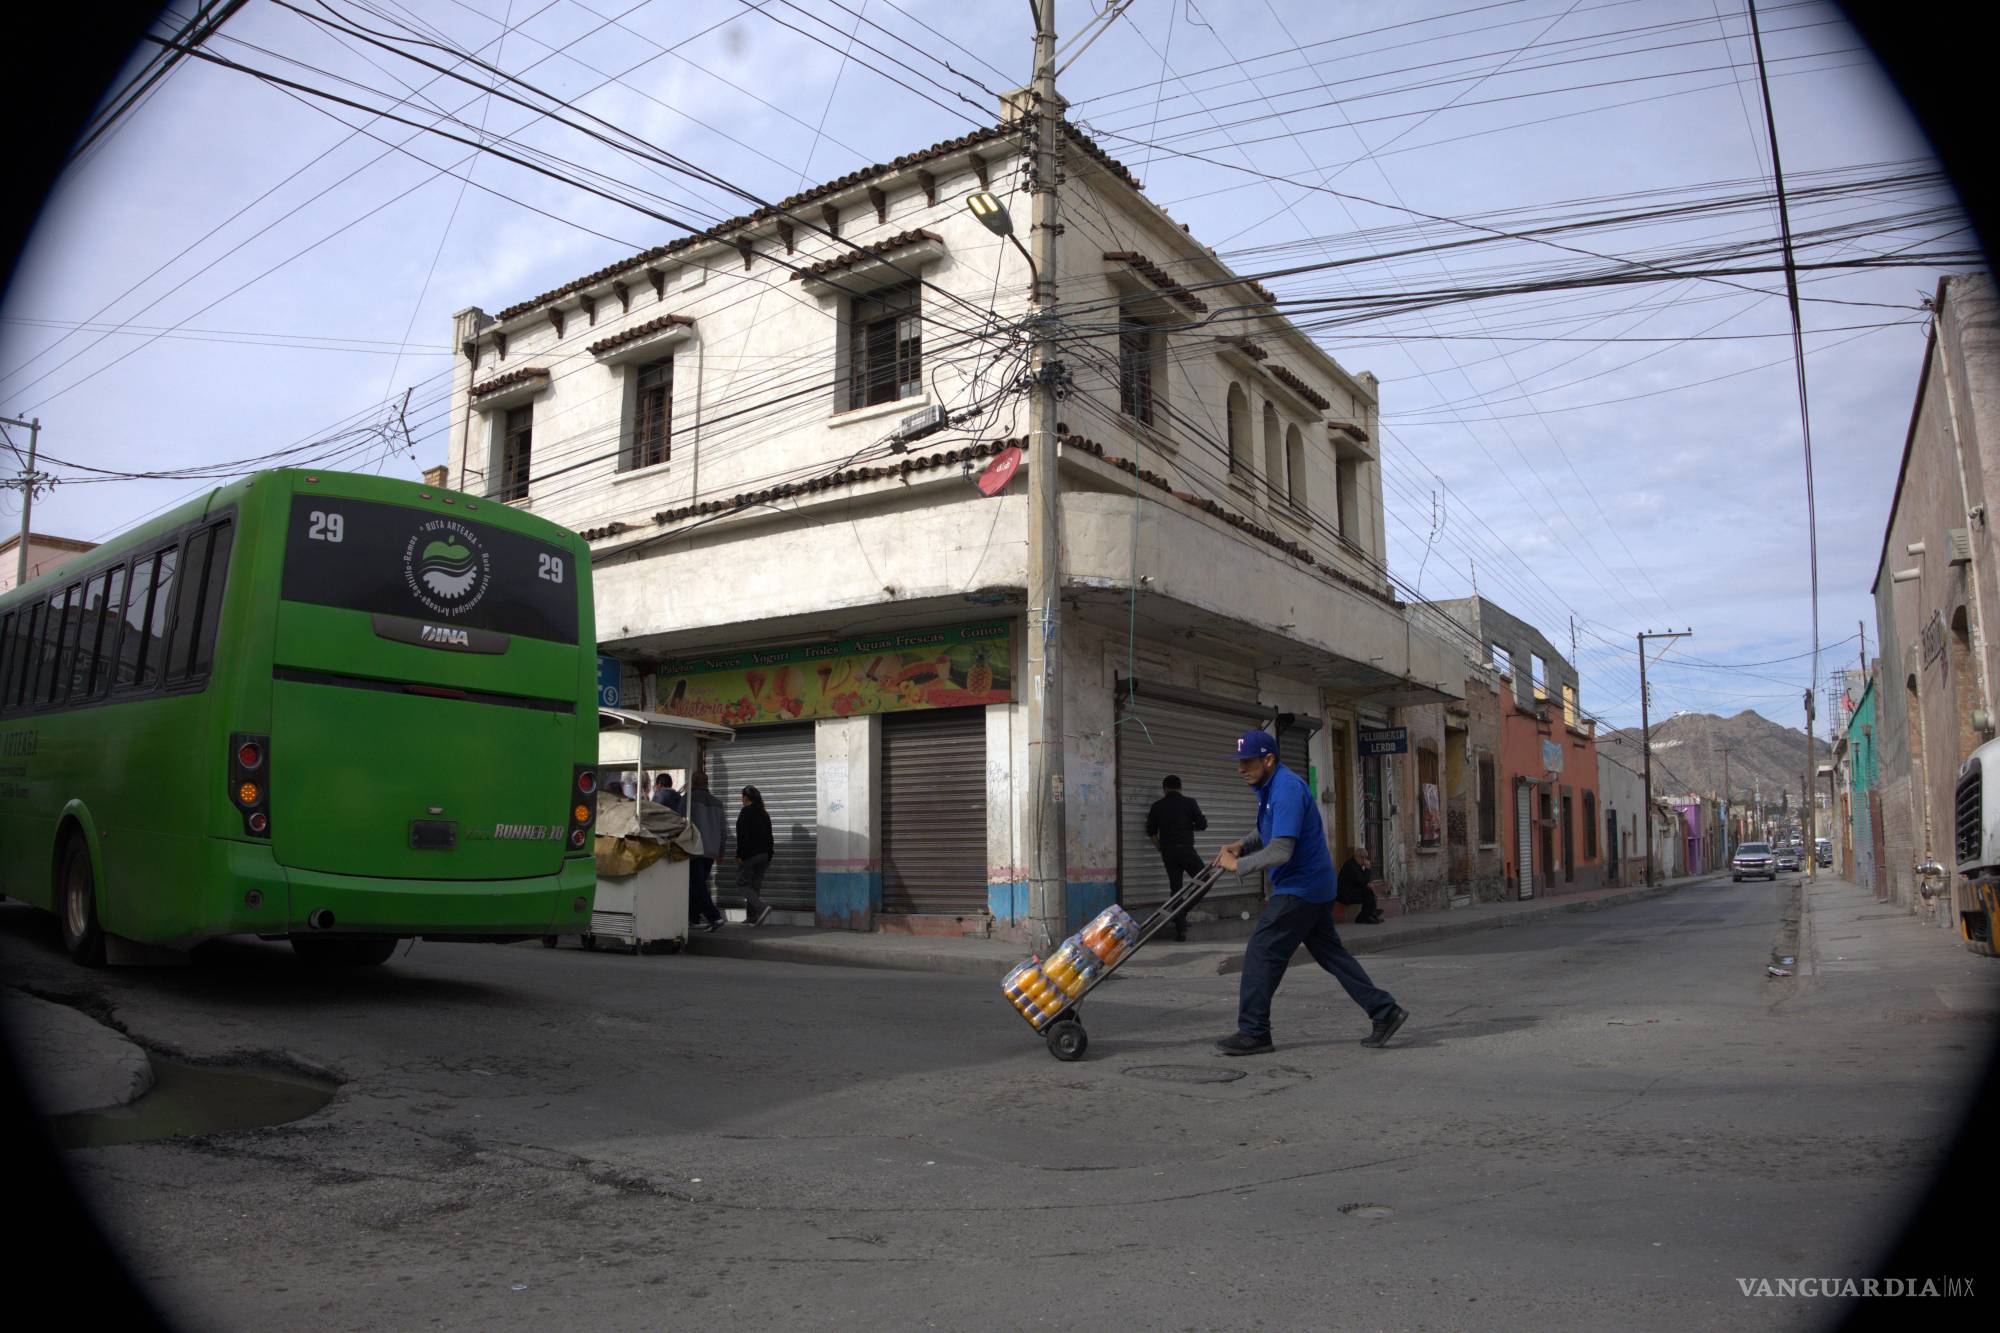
<point x="643" y="848"/>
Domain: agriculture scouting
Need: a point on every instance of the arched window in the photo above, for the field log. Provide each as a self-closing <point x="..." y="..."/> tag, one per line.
<point x="1239" y="429"/>
<point x="1274" y="454"/>
<point x="1295" y="467"/>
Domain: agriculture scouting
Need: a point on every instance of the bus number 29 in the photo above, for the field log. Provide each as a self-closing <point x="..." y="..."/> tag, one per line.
<point x="552" y="568"/>
<point x="326" y="527"/>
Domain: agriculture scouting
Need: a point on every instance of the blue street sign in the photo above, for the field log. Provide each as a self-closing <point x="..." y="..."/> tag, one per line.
<point x="608" y="678"/>
<point x="1389" y="740"/>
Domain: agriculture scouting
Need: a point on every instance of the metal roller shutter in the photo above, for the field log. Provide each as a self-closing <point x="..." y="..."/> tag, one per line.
<point x="934" y="812"/>
<point x="1195" y="744"/>
<point x="780" y="762"/>
<point x="1524" y="832"/>
<point x="1295" y="753"/>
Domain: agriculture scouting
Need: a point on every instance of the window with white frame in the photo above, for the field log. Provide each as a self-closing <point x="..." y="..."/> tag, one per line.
<point x="1347" y="497"/>
<point x="1274" y="454"/>
<point x="885" y="346"/>
<point x="1295" y="467"/>
<point x="1238" y="408"/>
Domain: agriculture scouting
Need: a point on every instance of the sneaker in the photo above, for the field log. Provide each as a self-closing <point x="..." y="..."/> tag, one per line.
<point x="1243" y="1043"/>
<point x="763" y="916"/>
<point x="711" y="925"/>
<point x="1386" y="1027"/>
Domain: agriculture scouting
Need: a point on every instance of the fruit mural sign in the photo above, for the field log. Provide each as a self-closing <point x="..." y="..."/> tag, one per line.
<point x="950" y="667"/>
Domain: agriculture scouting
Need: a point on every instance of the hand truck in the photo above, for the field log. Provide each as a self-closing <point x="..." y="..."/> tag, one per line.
<point x="1064" y="1030"/>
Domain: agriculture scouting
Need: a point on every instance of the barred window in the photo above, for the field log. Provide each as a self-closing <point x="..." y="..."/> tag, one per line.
<point x="885" y="347"/>
<point x="517" y="444"/>
<point x="652" y="413"/>
<point x="1137" y="347"/>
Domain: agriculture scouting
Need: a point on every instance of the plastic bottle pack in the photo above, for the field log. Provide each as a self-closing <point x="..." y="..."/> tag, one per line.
<point x="1030" y="989"/>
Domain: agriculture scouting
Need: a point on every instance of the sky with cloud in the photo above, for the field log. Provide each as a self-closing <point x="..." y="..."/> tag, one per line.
<point x="1572" y="423"/>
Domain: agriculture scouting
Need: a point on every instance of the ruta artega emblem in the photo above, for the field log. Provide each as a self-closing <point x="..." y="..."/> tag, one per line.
<point x="446" y="567"/>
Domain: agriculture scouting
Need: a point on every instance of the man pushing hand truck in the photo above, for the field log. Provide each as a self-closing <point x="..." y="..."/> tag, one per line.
<point x="1290" y="842"/>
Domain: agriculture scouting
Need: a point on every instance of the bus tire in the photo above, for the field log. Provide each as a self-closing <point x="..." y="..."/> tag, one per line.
<point x="76" y="904"/>
<point x="344" y="950"/>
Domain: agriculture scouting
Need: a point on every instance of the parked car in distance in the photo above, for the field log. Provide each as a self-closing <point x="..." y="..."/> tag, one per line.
<point x="1788" y="859"/>
<point x="1753" y="860"/>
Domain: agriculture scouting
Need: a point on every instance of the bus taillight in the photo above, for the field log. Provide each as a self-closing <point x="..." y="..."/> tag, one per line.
<point x="584" y="812"/>
<point x="249" y="755"/>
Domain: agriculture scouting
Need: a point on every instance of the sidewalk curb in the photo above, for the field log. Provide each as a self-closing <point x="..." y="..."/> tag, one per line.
<point x="842" y="949"/>
<point x="802" y="949"/>
<point x="1442" y="930"/>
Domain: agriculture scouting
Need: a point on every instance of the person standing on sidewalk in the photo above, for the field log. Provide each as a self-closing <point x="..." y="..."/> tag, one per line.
<point x="710" y="820"/>
<point x="1171" y="824"/>
<point x="754" y="849"/>
<point x="1290" y="842"/>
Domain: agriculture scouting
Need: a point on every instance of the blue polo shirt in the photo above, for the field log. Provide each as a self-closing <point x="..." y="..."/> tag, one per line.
<point x="1285" y="810"/>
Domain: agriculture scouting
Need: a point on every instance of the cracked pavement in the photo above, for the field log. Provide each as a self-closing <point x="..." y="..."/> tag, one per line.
<point x="1602" y="1119"/>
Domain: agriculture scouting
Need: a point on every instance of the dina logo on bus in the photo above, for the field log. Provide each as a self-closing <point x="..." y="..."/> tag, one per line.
<point x="446" y="567"/>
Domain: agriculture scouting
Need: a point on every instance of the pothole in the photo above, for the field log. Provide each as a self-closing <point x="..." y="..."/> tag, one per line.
<point x="189" y="1099"/>
<point x="1366" y="1210"/>
<point x="1186" y="1073"/>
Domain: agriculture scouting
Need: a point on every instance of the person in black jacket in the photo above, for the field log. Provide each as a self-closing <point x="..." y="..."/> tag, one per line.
<point x="754" y="846"/>
<point x="1354" y="891"/>
<point x="1171" y="824"/>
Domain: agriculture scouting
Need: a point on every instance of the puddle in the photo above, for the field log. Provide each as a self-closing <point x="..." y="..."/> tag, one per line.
<point x="197" y="1099"/>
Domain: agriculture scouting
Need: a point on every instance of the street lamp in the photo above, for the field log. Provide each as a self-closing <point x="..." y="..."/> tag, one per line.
<point x="993" y="215"/>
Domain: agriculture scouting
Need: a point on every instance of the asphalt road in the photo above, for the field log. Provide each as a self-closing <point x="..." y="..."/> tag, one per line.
<point x="1601" y="1121"/>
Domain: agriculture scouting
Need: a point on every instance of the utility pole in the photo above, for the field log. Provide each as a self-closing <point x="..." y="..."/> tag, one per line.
<point x="1646" y="732"/>
<point x="1048" y="866"/>
<point x="30" y="479"/>
<point x="1862" y="625"/>
<point x="1728" y="828"/>
<point x="1812" y="842"/>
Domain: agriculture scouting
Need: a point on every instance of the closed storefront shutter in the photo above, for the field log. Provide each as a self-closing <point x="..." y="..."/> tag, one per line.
<point x="934" y="812"/>
<point x="1196" y="744"/>
<point x="780" y="763"/>
<point x="1295" y="752"/>
<point x="1524" y="832"/>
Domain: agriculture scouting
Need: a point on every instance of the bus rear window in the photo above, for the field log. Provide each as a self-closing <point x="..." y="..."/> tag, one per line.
<point x="392" y="560"/>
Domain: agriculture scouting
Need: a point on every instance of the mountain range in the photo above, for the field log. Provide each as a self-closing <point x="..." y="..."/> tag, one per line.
<point x="1687" y="755"/>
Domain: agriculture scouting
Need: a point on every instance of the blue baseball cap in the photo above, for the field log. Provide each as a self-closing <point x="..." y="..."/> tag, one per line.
<point x="1255" y="744"/>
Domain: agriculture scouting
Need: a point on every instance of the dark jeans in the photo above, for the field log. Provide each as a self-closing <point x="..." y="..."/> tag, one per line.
<point x="701" y="903"/>
<point x="1180" y="862"/>
<point x="1289" y="921"/>
<point x="750" y="878"/>
<point x="1362" y="897"/>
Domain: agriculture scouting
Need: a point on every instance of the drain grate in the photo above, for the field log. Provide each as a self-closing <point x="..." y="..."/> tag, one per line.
<point x="1186" y="1073"/>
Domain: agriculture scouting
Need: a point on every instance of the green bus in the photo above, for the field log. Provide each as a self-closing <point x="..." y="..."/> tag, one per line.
<point x="334" y="709"/>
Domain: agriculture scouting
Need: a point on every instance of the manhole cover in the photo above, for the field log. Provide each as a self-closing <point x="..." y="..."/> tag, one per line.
<point x="1369" y="1210"/>
<point x="1186" y="1073"/>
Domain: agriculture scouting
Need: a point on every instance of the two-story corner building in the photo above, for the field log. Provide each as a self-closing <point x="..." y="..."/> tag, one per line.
<point x="1552" y="832"/>
<point x="718" y="416"/>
